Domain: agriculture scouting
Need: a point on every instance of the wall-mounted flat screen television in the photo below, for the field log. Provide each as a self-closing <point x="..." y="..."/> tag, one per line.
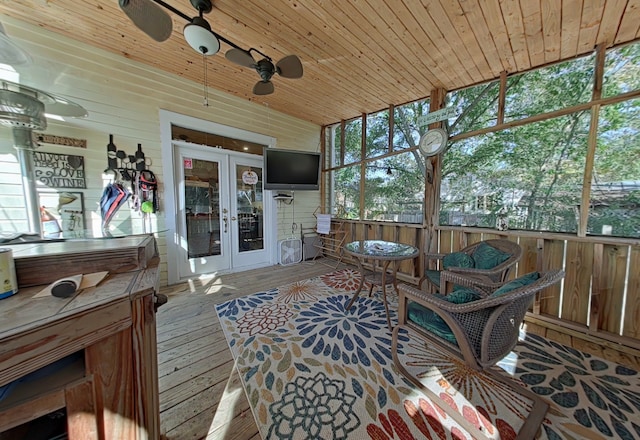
<point x="291" y="170"/>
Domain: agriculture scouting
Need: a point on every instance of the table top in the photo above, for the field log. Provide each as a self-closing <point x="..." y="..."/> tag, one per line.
<point x="381" y="250"/>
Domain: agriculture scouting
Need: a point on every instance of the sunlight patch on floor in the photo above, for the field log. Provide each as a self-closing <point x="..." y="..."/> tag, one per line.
<point x="221" y="423"/>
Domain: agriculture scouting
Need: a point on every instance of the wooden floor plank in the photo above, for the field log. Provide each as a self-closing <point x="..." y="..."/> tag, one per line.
<point x="185" y="338"/>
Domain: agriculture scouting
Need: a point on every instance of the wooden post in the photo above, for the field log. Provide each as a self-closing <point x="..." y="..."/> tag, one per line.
<point x="502" y="97"/>
<point x="363" y="165"/>
<point x="392" y="122"/>
<point x="323" y="175"/>
<point x="592" y="142"/>
<point x="343" y="136"/>
<point x="432" y="189"/>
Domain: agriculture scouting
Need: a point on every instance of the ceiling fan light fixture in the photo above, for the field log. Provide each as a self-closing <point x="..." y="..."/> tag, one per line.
<point x="199" y="36"/>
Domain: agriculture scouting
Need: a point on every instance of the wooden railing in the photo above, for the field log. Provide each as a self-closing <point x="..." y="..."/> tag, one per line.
<point x="596" y="307"/>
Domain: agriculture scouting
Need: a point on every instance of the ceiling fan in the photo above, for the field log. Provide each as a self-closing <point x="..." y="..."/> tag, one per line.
<point x="149" y="17"/>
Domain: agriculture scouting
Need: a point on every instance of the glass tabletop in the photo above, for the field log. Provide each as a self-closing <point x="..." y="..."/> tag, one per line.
<point x="381" y="249"/>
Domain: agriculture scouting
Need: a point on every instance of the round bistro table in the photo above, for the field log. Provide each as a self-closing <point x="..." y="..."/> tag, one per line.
<point x="379" y="251"/>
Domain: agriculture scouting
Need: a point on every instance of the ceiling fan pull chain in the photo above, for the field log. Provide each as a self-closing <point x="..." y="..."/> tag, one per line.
<point x="205" y="90"/>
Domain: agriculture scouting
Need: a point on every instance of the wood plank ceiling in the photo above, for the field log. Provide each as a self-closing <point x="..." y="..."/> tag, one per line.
<point x="359" y="56"/>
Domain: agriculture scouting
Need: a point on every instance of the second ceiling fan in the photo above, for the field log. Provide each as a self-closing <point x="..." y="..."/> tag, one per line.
<point x="149" y="17"/>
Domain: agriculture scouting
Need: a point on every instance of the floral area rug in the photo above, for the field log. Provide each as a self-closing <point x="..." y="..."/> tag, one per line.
<point x="312" y="370"/>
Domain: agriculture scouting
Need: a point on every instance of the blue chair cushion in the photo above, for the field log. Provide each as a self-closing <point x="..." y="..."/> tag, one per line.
<point x="458" y="259"/>
<point x="517" y="283"/>
<point x="431" y="321"/>
<point x="434" y="276"/>
<point x="488" y="257"/>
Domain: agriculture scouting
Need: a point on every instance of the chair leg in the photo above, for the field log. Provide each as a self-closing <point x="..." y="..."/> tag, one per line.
<point x="528" y="430"/>
<point x="538" y="410"/>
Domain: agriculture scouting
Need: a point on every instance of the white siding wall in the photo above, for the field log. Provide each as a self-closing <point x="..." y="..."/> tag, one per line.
<point x="124" y="98"/>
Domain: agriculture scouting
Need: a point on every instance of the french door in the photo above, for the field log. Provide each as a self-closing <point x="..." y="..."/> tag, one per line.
<point x="221" y="214"/>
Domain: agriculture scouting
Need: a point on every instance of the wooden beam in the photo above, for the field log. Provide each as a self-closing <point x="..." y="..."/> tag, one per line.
<point x="432" y="188"/>
<point x="343" y="125"/>
<point x="363" y="165"/>
<point x="391" y="127"/>
<point x="592" y="141"/>
<point x="323" y="175"/>
<point x="502" y="96"/>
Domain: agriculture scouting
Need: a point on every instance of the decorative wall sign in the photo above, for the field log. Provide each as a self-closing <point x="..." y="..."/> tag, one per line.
<point x="59" y="170"/>
<point x="67" y="208"/>
<point x="126" y="164"/>
<point x="41" y="138"/>
<point x="249" y="177"/>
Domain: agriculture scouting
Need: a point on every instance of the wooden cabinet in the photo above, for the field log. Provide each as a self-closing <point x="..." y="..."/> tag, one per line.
<point x="110" y="390"/>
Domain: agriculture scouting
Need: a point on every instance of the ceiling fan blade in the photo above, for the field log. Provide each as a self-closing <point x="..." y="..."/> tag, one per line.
<point x="241" y="57"/>
<point x="289" y="67"/>
<point x="149" y="18"/>
<point x="263" y="88"/>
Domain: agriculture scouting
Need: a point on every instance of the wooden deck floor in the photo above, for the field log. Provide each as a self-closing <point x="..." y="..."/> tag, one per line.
<point x="201" y="396"/>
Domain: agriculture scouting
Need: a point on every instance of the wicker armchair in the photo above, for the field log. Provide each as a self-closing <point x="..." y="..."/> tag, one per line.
<point x="482" y="332"/>
<point x="499" y="273"/>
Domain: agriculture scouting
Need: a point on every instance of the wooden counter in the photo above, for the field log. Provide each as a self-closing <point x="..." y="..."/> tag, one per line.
<point x="113" y="394"/>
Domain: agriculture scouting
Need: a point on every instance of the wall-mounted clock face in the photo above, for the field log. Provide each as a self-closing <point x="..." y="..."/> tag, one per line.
<point x="433" y="141"/>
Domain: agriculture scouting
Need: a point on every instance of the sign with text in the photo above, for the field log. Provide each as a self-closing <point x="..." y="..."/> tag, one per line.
<point x="438" y="115"/>
<point x="59" y="140"/>
<point x="59" y="170"/>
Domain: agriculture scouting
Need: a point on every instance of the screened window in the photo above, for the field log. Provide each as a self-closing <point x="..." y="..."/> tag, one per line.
<point x="332" y="145"/>
<point x="353" y="141"/>
<point x="476" y="108"/>
<point x="615" y="187"/>
<point x="622" y="70"/>
<point x="532" y="174"/>
<point x="407" y="127"/>
<point x="551" y="88"/>
<point x="394" y="189"/>
<point x="377" y="134"/>
<point x="345" y="188"/>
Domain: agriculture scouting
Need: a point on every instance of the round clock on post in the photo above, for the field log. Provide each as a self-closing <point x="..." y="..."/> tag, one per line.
<point x="433" y="142"/>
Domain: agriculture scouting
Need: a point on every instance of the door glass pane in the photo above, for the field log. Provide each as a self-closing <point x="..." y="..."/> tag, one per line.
<point x="201" y="195"/>
<point x="250" y="218"/>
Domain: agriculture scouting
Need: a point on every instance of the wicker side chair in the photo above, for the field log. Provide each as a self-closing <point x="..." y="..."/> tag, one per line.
<point x="479" y="333"/>
<point x="507" y="254"/>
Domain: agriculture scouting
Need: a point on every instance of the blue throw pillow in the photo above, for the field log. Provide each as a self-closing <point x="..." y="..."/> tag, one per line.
<point x="458" y="259"/>
<point x="524" y="280"/>
<point x="488" y="257"/>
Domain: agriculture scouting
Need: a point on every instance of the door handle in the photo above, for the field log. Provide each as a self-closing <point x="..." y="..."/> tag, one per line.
<point x="233" y="219"/>
<point x="226" y="223"/>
